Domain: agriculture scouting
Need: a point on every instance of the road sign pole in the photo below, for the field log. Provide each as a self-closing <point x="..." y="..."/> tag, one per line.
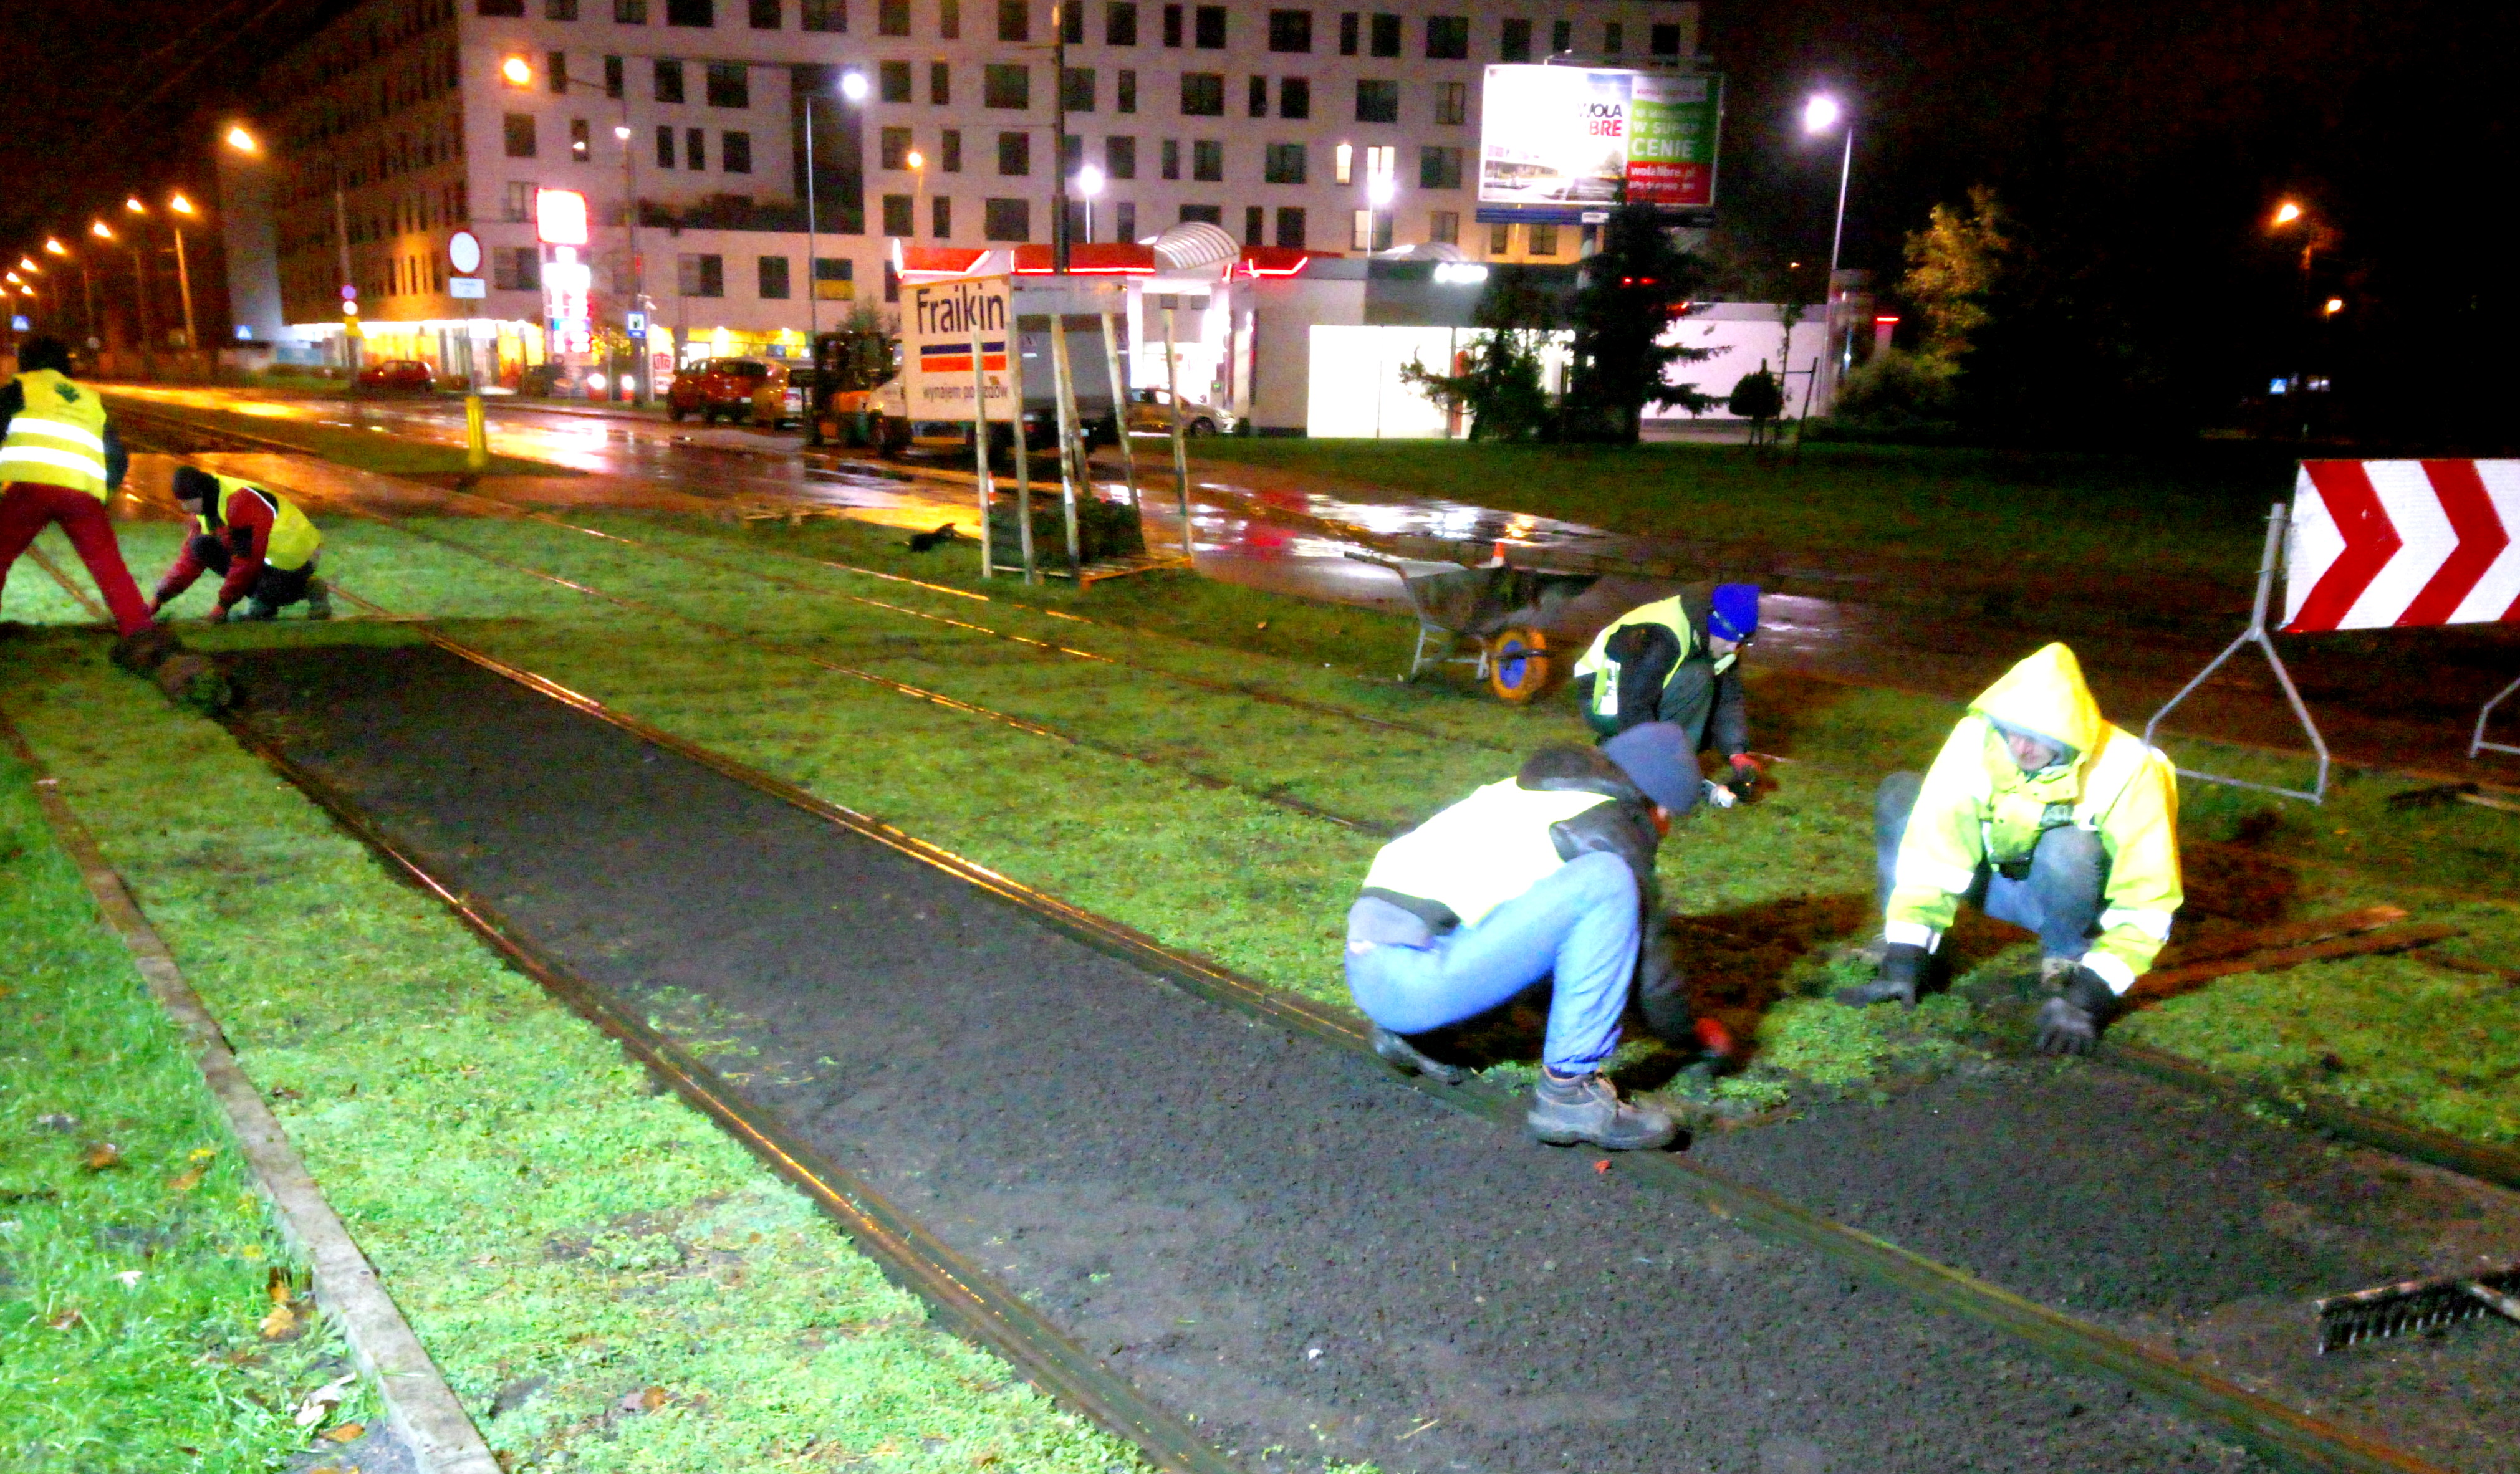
<point x="2256" y="633"/>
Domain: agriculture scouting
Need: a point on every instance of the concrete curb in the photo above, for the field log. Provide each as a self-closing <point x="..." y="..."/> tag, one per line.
<point x="420" y="1407"/>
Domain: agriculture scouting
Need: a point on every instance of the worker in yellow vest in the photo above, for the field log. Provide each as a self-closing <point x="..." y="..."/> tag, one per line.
<point x="1547" y="874"/>
<point x="1678" y="660"/>
<point x="2041" y="813"/>
<point x="60" y="460"/>
<point x="258" y="539"/>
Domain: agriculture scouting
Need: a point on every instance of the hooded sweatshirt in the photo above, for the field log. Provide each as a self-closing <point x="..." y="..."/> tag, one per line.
<point x="1979" y="809"/>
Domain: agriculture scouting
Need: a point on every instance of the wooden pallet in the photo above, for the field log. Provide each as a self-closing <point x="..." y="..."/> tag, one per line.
<point x="1109" y="567"/>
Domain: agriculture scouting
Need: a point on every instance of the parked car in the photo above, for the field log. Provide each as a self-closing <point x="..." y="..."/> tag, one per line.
<point x="739" y="389"/>
<point x="398" y="375"/>
<point x="1151" y="413"/>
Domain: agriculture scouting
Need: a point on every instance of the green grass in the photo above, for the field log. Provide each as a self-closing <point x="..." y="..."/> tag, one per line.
<point x="559" y="1236"/>
<point x="131" y="1295"/>
<point x="372" y="450"/>
<point x="2201" y="512"/>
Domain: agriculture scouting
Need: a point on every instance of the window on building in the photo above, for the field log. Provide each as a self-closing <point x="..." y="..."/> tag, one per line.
<point x="735" y="153"/>
<point x="892" y="81"/>
<point x="695" y="13"/>
<point x="892" y="18"/>
<point x="1072" y="25"/>
<point x="1291" y="30"/>
<point x="1076" y="89"/>
<point x="949" y="20"/>
<point x="1444" y="227"/>
<point x="1203" y="94"/>
<point x="1014" y="19"/>
<point x="1125" y="99"/>
<point x="1206" y="214"/>
<point x="1614" y="39"/>
<point x="1439" y="168"/>
<point x="700" y="275"/>
<point x="1120" y="24"/>
<point x="893" y="147"/>
<point x="521" y="135"/>
<point x="1290" y="227"/>
<point x="516" y="200"/>
<point x="1173" y="26"/>
<point x="730" y="84"/>
<point x="612" y="76"/>
<point x="1284" y="163"/>
<point x="1377" y="102"/>
<point x="555" y="72"/>
<point x="834" y="279"/>
<point x="951" y="145"/>
<point x="1447" y="39"/>
<point x="822" y="15"/>
<point x="669" y="80"/>
<point x="1172" y="158"/>
<point x="774" y="269"/>
<point x="1295" y="97"/>
<point x="765" y="17"/>
<point x="1124" y="218"/>
<point x="1664" y="40"/>
<point x="1120" y="158"/>
<point x="517" y="268"/>
<point x="1371" y="230"/>
<point x="940" y="218"/>
<point x="1452" y="102"/>
<point x="1499" y="240"/>
<point x="1561" y="36"/>
<point x="1383" y="39"/>
<point x="897" y="217"/>
<point x="694" y="149"/>
<point x="581" y="140"/>
<point x="1253" y="219"/>
<point x="629" y="11"/>
<point x="500" y="8"/>
<point x="1259" y="97"/>
<point x="1347" y="33"/>
<point x="1207" y="161"/>
<point x="1541" y="239"/>
<point x="940" y="83"/>
<point x="1208" y="28"/>
<point x="665" y="147"/>
<point x="1006" y="219"/>
<point x="1014" y="152"/>
<point x="1514" y="42"/>
<point x="560" y="10"/>
<point x="1005" y="84"/>
<point x="1342" y="161"/>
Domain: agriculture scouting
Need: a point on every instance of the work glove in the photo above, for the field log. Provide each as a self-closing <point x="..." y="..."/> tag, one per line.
<point x="1744" y="778"/>
<point x="1903" y="967"/>
<point x="218" y="614"/>
<point x="2070" y="1023"/>
<point x="1718" y="794"/>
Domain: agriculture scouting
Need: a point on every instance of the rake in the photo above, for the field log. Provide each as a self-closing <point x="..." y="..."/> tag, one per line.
<point x="2416" y="1305"/>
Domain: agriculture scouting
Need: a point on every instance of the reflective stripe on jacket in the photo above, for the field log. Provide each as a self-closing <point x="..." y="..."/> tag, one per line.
<point x="1481" y="852"/>
<point x="57" y="439"/>
<point x="1670" y="614"/>
<point x="1978" y="808"/>
<point x="293" y="539"/>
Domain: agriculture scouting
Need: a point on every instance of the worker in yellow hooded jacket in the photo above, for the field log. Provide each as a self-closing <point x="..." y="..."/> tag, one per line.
<point x="2045" y="815"/>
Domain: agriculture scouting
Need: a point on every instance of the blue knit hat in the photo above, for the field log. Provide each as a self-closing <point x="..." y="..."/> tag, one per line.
<point x="1661" y="761"/>
<point x="1733" y="612"/>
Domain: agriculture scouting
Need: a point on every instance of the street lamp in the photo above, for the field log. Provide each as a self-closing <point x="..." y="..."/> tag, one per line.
<point x="244" y="142"/>
<point x="917" y="162"/>
<point x="87" y="286"/>
<point x="853" y="88"/>
<point x="177" y="205"/>
<point x="519" y="72"/>
<point x="1820" y="113"/>
<point x="1088" y="182"/>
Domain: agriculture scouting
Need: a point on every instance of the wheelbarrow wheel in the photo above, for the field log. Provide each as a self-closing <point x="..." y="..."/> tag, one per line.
<point x="1519" y="664"/>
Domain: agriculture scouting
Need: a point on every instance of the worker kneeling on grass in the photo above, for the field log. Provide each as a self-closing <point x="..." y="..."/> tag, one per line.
<point x="1547" y="874"/>
<point x="1678" y="660"/>
<point x="258" y="539"/>
<point x="2043" y="814"/>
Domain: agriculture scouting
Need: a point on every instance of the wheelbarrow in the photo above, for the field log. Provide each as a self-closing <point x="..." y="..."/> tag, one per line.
<point x="1501" y="612"/>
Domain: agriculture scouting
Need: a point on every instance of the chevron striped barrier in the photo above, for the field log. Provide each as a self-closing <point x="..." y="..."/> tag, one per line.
<point x="2382" y="545"/>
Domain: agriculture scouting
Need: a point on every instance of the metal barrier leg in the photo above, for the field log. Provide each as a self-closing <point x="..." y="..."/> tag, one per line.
<point x="2256" y="633"/>
<point x="2478" y="743"/>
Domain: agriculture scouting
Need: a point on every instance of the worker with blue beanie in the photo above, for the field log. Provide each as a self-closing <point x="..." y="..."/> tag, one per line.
<point x="1548" y="874"/>
<point x="1678" y="660"/>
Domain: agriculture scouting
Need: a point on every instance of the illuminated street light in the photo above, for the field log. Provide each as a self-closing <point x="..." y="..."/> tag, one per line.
<point x="853" y="87"/>
<point x="179" y="205"/>
<point x="27" y="264"/>
<point x="241" y="141"/>
<point x="135" y="207"/>
<point x="621" y="131"/>
<point x="99" y="230"/>
<point x="2335" y="305"/>
<point x="2287" y="212"/>
<point x="1088" y="182"/>
<point x="56" y="247"/>
<point x="1820" y="114"/>
<point x="518" y="71"/>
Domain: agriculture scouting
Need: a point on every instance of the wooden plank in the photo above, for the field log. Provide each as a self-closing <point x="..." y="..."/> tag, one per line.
<point x="2448" y="962"/>
<point x="2283" y="934"/>
<point x="2155" y="986"/>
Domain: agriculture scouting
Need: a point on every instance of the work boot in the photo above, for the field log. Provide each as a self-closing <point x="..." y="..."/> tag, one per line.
<point x="1903" y="967"/>
<point x="2055" y="972"/>
<point x="1867" y="952"/>
<point x="319" y="599"/>
<point x="1401" y="1055"/>
<point x="144" y="652"/>
<point x="1587" y="1109"/>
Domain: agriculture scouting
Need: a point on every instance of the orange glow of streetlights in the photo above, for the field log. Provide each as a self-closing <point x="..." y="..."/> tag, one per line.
<point x="56" y="247"/>
<point x="518" y="71"/>
<point x="180" y="205"/>
<point x="241" y="141"/>
<point x="99" y="230"/>
<point x="2335" y="305"/>
<point x="2287" y="212"/>
<point x="134" y="206"/>
<point x="27" y="264"/>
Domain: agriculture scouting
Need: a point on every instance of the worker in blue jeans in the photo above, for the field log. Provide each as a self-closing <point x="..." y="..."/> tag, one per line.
<point x="2058" y="894"/>
<point x="1548" y="874"/>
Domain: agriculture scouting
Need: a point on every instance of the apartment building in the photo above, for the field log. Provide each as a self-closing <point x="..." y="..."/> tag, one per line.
<point x="933" y="122"/>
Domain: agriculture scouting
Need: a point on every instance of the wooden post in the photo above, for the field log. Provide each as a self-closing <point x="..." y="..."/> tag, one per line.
<point x="980" y="439"/>
<point x="1024" y="457"/>
<point x="1181" y="456"/>
<point x="1120" y="408"/>
<point x="1064" y="392"/>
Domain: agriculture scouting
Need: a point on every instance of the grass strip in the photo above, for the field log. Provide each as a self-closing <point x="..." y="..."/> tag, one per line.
<point x="136" y="1257"/>
<point x="607" y="1283"/>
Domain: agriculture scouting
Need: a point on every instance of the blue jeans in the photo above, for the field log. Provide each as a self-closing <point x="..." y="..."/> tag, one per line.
<point x="2059" y="898"/>
<point x="1579" y="924"/>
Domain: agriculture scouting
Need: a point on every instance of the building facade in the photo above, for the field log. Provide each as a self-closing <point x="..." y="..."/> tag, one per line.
<point x="933" y="123"/>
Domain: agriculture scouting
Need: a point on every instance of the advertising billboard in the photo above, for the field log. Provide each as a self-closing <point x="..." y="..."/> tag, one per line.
<point x="1559" y="143"/>
<point x="945" y="323"/>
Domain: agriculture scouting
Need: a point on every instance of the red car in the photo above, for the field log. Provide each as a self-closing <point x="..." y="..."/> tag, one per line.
<point x="407" y="375"/>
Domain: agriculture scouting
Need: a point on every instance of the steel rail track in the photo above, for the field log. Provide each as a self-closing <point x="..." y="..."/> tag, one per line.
<point x="2285" y="1435"/>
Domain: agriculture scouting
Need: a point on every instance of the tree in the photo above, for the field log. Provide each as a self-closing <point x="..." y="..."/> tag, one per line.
<point x="1759" y="399"/>
<point x="1954" y="265"/>
<point x="1632" y="287"/>
<point x="1501" y="387"/>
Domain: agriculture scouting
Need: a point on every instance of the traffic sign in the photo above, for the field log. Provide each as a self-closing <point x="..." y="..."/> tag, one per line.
<point x="463" y="253"/>
<point x="635" y="323"/>
<point x="466" y="286"/>
<point x="2382" y="544"/>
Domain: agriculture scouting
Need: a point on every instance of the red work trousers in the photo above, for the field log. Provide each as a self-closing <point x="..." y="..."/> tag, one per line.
<point x="25" y="507"/>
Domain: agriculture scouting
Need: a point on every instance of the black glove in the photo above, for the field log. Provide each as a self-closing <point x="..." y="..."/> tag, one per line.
<point x="2070" y="1023"/>
<point x="1903" y="967"/>
<point x="1662" y="993"/>
<point x="1744" y="779"/>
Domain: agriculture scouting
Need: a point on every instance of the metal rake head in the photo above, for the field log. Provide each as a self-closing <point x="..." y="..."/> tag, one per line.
<point x="2416" y="1306"/>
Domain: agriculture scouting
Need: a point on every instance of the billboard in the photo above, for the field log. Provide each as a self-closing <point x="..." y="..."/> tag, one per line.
<point x="1556" y="143"/>
<point x="945" y="323"/>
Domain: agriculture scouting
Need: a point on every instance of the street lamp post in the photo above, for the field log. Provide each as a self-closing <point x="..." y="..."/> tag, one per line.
<point x="243" y="141"/>
<point x="1089" y="184"/>
<point x="87" y="288"/>
<point x="179" y="206"/>
<point x="1820" y="114"/>
<point x="853" y="88"/>
<point x="2290" y="215"/>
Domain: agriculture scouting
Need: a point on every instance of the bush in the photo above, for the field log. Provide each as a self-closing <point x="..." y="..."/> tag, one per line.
<point x="1896" y="392"/>
<point x="1103" y="529"/>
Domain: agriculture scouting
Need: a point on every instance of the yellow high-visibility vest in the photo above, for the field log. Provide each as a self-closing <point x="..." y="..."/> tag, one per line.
<point x="58" y="438"/>
<point x="293" y="539"/>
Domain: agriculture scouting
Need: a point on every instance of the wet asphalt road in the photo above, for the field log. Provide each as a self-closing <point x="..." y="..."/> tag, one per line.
<point x="2398" y="699"/>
